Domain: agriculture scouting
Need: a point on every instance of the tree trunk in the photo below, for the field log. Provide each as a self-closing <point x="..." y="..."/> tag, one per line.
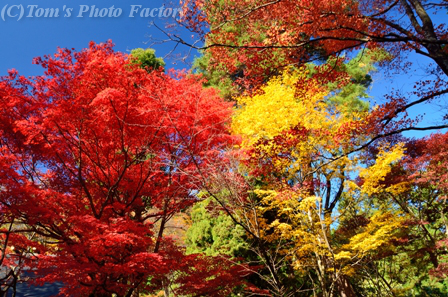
<point x="344" y="287"/>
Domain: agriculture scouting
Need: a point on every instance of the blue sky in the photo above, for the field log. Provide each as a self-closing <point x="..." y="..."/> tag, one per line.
<point x="22" y="40"/>
<point x="403" y="82"/>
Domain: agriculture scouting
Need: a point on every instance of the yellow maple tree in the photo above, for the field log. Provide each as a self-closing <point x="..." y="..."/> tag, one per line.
<point x="298" y="146"/>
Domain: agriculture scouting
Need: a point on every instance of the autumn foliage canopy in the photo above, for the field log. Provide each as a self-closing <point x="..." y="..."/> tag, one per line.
<point x="93" y="154"/>
<point x="290" y="180"/>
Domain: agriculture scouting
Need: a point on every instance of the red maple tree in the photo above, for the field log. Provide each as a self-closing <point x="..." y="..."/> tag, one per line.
<point x="252" y="40"/>
<point x="262" y="35"/>
<point x="96" y="156"/>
